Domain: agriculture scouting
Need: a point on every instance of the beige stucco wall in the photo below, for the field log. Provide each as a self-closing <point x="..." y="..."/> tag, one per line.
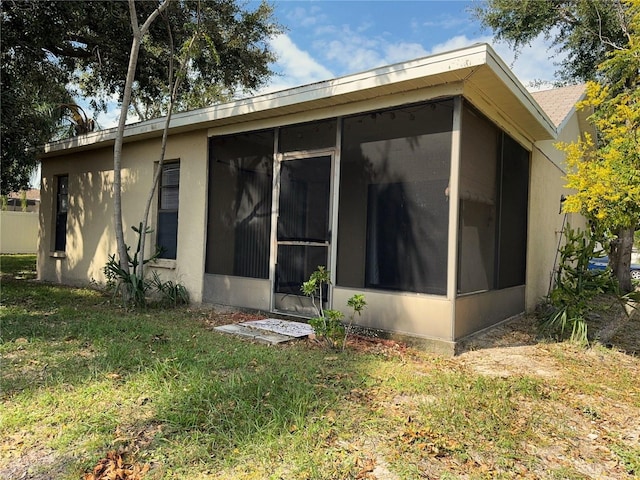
<point x="545" y="218"/>
<point x="90" y="237"/>
<point x="18" y="232"/>
<point x="90" y="233"/>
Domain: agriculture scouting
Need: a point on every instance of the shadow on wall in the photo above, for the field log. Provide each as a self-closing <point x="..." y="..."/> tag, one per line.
<point x="90" y="236"/>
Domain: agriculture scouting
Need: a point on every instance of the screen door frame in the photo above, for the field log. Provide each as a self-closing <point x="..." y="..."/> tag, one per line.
<point x="303" y="306"/>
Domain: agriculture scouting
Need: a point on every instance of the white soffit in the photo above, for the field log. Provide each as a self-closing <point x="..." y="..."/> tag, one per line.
<point x="477" y="65"/>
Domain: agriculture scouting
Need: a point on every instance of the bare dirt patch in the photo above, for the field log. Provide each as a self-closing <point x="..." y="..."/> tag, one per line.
<point x="593" y="410"/>
<point x="516" y="348"/>
<point x="36" y="463"/>
<point x="512" y="348"/>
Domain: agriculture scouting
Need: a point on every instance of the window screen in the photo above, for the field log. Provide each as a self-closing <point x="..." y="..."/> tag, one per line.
<point x="514" y="201"/>
<point x="494" y="190"/>
<point x="303" y="221"/>
<point x="393" y="211"/>
<point x="477" y="190"/>
<point x="304" y="200"/>
<point x="240" y="186"/>
<point x="308" y="136"/>
<point x="296" y="263"/>
<point x="167" y="236"/>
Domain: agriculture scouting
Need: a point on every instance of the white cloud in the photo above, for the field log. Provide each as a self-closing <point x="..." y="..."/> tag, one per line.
<point x="353" y="52"/>
<point x="363" y="27"/>
<point x="353" y="56"/>
<point x="446" y="22"/>
<point x="349" y="52"/>
<point x="401" y="52"/>
<point x="459" y="41"/>
<point x="296" y="67"/>
<point x="108" y="119"/>
<point x="302" y="17"/>
<point x="537" y="61"/>
<point x="111" y="117"/>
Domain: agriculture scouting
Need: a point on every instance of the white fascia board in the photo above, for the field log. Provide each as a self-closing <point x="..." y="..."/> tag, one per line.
<point x="438" y="64"/>
<point x="343" y="110"/>
<point x="582" y="117"/>
<point x="523" y="95"/>
<point x="444" y="65"/>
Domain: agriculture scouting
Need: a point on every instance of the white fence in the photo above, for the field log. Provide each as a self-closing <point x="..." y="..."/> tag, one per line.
<point x="18" y="232"/>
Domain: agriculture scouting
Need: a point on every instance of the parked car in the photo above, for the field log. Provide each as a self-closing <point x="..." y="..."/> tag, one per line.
<point x="602" y="263"/>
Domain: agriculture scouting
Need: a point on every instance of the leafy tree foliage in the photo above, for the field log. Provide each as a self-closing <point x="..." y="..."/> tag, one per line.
<point x="606" y="176"/>
<point x="601" y="40"/>
<point x="30" y="89"/>
<point x="28" y="102"/>
<point x="585" y="30"/>
<point x="54" y="50"/>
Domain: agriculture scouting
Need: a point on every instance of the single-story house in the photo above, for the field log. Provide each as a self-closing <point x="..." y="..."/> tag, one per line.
<point x="432" y="186"/>
<point x="24" y="200"/>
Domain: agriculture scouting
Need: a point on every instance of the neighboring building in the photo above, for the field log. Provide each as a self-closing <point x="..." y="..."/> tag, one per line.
<point x="432" y="186"/>
<point x="15" y="201"/>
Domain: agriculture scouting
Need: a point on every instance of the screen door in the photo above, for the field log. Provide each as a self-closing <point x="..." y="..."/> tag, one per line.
<point x="303" y="233"/>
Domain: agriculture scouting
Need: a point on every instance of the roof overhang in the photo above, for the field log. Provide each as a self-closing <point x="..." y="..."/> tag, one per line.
<point x="486" y="80"/>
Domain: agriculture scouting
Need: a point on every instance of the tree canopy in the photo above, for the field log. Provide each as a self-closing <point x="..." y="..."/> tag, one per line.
<point x="54" y="51"/>
<point x="605" y="174"/>
<point x="602" y="40"/>
<point x="584" y="30"/>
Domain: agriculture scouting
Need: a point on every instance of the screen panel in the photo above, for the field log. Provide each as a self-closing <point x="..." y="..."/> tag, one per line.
<point x="240" y="192"/>
<point x="393" y="206"/>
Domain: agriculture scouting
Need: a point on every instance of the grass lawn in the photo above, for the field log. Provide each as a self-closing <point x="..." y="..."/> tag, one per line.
<point x="81" y="377"/>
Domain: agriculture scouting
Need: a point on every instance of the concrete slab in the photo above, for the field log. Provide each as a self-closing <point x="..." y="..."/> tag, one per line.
<point x="283" y="327"/>
<point x="254" y="334"/>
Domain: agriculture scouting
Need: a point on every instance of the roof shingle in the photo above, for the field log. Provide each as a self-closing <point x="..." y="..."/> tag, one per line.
<point x="557" y="103"/>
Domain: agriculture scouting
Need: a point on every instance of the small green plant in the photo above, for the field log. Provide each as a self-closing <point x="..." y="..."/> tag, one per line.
<point x="4" y="203"/>
<point x="171" y="293"/>
<point x="357" y="304"/>
<point x="24" y="203"/>
<point x="132" y="287"/>
<point x="575" y="287"/>
<point x="327" y="324"/>
<point x="127" y="283"/>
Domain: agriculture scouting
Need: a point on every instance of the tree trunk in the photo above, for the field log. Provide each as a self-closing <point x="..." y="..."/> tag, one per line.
<point x="154" y="186"/>
<point x="117" y="156"/>
<point x="138" y="34"/>
<point x="620" y="258"/>
<point x="174" y="86"/>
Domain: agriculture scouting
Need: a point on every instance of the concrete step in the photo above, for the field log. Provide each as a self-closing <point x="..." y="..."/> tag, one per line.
<point x="283" y="327"/>
<point x="255" y="334"/>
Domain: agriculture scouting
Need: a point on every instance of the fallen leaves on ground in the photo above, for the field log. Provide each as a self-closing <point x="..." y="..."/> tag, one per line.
<point x="114" y="467"/>
<point x="428" y="441"/>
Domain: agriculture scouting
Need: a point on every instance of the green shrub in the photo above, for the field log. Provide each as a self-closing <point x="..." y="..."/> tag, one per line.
<point x="574" y="288"/>
<point x="327" y="324"/>
<point x="171" y="293"/>
<point x="133" y="288"/>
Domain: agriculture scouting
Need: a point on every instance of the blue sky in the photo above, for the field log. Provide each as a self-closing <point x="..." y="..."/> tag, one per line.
<point x="330" y="38"/>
